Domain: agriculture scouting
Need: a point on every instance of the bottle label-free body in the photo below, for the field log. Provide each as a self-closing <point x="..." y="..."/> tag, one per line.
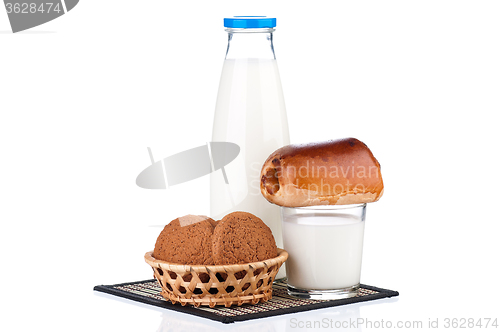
<point x="250" y="112"/>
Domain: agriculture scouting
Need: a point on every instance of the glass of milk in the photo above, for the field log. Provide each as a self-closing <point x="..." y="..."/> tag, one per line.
<point x="325" y="247"/>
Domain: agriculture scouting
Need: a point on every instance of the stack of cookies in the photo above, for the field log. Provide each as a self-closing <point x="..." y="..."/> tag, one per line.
<point x="238" y="238"/>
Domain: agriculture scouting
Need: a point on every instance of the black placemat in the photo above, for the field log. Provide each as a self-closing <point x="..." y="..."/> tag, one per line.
<point x="148" y="291"/>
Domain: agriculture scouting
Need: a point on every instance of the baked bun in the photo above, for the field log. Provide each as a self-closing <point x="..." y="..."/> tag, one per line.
<point x="241" y="237"/>
<point x="186" y="240"/>
<point x="335" y="172"/>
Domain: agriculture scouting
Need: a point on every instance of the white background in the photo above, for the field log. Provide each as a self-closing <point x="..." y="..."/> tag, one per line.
<point x="83" y="96"/>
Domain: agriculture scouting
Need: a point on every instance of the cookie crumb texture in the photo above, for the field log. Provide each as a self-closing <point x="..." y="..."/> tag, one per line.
<point x="188" y="244"/>
<point x="241" y="237"/>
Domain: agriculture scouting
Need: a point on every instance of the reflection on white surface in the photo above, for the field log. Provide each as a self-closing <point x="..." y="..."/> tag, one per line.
<point x="329" y="318"/>
<point x="340" y="318"/>
<point x="333" y="318"/>
<point x="172" y="322"/>
<point x="324" y="319"/>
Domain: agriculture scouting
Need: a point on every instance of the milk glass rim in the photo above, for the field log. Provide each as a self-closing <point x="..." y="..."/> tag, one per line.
<point x="250" y="30"/>
<point x="327" y="207"/>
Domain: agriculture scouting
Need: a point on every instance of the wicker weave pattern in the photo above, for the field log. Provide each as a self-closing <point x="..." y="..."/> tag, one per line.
<point x="217" y="284"/>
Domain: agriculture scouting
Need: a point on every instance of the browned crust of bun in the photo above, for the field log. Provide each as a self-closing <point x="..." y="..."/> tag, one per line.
<point x="335" y="172"/>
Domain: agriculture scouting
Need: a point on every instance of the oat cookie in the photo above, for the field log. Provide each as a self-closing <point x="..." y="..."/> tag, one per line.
<point x="186" y="240"/>
<point x="241" y="237"/>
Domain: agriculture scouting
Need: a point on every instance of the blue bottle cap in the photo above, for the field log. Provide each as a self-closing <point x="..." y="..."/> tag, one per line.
<point x="249" y="22"/>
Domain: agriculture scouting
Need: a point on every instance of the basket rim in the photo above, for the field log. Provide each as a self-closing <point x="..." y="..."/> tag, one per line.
<point x="148" y="257"/>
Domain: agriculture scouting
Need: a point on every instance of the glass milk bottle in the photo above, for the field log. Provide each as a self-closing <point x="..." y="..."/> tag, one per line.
<point x="250" y="111"/>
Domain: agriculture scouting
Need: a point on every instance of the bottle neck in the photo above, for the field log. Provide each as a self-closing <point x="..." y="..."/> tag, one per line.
<point x="250" y="43"/>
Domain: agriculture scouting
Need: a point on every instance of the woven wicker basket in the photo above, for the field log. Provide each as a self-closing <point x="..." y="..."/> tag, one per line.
<point x="217" y="284"/>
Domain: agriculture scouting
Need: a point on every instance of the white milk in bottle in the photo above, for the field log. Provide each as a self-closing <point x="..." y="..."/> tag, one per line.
<point x="250" y="112"/>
